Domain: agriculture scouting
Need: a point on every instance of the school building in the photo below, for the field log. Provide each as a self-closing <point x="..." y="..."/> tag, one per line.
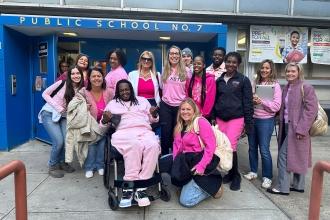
<point x="36" y="35"/>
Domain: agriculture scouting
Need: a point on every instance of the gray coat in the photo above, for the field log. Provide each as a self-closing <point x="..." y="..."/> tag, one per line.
<point x="301" y="117"/>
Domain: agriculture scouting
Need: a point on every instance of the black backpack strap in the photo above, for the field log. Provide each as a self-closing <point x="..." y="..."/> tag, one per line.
<point x="57" y="89"/>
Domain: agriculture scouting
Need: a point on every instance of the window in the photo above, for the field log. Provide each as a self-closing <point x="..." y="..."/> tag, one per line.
<point x="264" y="6"/>
<point x="209" y="5"/>
<point x="155" y="4"/>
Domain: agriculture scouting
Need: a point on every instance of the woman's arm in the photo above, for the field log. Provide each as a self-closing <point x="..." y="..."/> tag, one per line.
<point x="247" y="104"/>
<point x="50" y="100"/>
<point x="209" y="96"/>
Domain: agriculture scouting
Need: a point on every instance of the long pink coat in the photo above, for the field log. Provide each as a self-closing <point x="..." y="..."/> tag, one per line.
<point x="299" y="157"/>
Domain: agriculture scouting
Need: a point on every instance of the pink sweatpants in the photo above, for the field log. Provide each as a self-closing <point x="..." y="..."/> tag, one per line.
<point x="140" y="155"/>
<point x="233" y="129"/>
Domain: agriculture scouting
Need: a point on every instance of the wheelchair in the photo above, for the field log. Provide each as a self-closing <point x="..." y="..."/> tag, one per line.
<point x="113" y="158"/>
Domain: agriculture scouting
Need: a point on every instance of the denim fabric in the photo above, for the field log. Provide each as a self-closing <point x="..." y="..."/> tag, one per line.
<point x="263" y="130"/>
<point x="57" y="133"/>
<point x="192" y="194"/>
<point x="95" y="156"/>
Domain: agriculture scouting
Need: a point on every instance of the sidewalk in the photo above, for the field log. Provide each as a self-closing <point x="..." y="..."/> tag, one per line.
<point x="75" y="197"/>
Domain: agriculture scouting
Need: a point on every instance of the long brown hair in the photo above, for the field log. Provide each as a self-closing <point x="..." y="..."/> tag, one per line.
<point x="180" y="122"/>
<point x="181" y="68"/>
<point x="273" y="74"/>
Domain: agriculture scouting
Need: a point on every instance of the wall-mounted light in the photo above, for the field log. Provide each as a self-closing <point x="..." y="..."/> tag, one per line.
<point x="70" y="34"/>
<point x="165" y="38"/>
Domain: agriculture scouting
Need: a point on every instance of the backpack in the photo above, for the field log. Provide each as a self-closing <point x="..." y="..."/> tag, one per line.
<point x="223" y="149"/>
<point x="320" y="124"/>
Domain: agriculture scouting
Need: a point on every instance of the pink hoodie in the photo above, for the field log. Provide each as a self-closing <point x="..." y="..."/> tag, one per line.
<point x="190" y="143"/>
<point x="114" y="76"/>
<point x="209" y="93"/>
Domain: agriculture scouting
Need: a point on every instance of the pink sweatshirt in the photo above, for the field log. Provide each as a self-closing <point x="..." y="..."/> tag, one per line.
<point x="174" y="89"/>
<point x="209" y="93"/>
<point x="270" y="107"/>
<point x="58" y="101"/>
<point x="190" y="143"/>
<point x="114" y="76"/>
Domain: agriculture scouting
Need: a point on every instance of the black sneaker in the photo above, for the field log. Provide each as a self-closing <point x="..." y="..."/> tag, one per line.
<point x="141" y="197"/>
<point x="126" y="198"/>
<point x="66" y="167"/>
<point x="227" y="178"/>
<point x="55" y="171"/>
<point x="236" y="182"/>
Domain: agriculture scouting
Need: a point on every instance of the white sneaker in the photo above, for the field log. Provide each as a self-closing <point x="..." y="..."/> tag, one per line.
<point x="89" y="174"/>
<point x="141" y="197"/>
<point x="101" y="172"/>
<point x="251" y="176"/>
<point x="266" y="183"/>
<point x="126" y="198"/>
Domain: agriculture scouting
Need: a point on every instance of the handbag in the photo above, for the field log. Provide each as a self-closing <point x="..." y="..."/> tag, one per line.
<point x="320" y="124"/>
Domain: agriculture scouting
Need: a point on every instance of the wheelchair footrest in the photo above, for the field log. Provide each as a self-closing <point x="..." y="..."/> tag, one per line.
<point x="138" y="183"/>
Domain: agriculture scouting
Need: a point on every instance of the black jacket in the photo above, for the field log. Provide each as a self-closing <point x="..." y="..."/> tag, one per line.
<point x="234" y="99"/>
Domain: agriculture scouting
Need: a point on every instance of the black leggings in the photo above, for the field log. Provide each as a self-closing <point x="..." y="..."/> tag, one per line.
<point x="167" y="116"/>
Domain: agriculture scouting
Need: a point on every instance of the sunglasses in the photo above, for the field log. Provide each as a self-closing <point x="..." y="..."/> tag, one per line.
<point x="146" y="59"/>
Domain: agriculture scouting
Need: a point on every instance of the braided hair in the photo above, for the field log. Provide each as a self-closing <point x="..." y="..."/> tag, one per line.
<point x="132" y="97"/>
<point x="192" y="81"/>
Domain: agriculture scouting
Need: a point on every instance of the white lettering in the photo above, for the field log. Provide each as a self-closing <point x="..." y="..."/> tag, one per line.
<point x="58" y="22"/>
<point x="185" y="27"/>
<point x="21" y="20"/>
<point x="47" y="21"/>
<point x="134" y="25"/>
<point x="146" y="26"/>
<point x="78" y="22"/>
<point x="123" y="24"/>
<point x="34" y="20"/>
<point x="156" y="26"/>
<point x="174" y="27"/>
<point x="199" y="27"/>
<point x="110" y="24"/>
<point x="99" y="23"/>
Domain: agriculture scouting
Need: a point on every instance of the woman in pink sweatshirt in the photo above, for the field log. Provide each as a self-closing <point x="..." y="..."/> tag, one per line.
<point x="134" y="139"/>
<point x="264" y="122"/>
<point x="201" y="87"/>
<point x="194" y="167"/>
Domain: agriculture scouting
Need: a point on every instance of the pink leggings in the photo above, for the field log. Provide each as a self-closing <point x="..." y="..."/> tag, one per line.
<point x="233" y="129"/>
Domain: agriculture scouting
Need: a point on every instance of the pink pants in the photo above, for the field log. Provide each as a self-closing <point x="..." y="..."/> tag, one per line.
<point x="233" y="129"/>
<point x="140" y="155"/>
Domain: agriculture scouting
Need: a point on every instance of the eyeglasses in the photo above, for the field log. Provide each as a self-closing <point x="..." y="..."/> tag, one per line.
<point x="174" y="53"/>
<point x="146" y="59"/>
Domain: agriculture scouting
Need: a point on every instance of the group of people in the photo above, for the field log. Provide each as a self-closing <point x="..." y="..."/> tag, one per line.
<point x="157" y="114"/>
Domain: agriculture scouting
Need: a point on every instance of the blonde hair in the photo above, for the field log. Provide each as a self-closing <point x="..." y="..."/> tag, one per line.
<point x="151" y="55"/>
<point x="299" y="68"/>
<point x="273" y="74"/>
<point x="181" y="68"/>
<point x="180" y="122"/>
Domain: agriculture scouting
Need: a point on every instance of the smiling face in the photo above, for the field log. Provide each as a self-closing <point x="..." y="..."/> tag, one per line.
<point x="186" y="112"/>
<point x="198" y="65"/>
<point x="217" y="57"/>
<point x="83" y="62"/>
<point x="291" y="73"/>
<point x="75" y="76"/>
<point x="124" y="92"/>
<point x="187" y="59"/>
<point x="294" y="39"/>
<point x="265" y="71"/>
<point x="174" y="56"/>
<point x="96" y="78"/>
<point x="231" y="64"/>
<point x="146" y="61"/>
<point x="114" y="61"/>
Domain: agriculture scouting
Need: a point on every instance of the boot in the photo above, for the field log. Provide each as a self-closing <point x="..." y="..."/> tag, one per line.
<point x="66" y="167"/>
<point x="236" y="180"/>
<point x="228" y="177"/>
<point x="55" y="171"/>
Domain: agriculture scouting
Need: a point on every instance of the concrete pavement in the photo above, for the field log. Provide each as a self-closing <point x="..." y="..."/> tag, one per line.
<point x="75" y="197"/>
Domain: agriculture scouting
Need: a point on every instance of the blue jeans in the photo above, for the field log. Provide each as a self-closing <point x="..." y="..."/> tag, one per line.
<point x="192" y="194"/>
<point x="263" y="130"/>
<point x="95" y="156"/>
<point x="57" y="133"/>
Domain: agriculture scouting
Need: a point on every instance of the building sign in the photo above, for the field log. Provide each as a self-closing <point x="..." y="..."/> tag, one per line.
<point x="280" y="44"/>
<point x="320" y="46"/>
<point x="114" y="24"/>
<point x="43" y="49"/>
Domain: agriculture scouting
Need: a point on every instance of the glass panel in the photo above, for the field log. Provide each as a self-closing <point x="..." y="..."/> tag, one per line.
<point x="107" y="3"/>
<point x="209" y="5"/>
<point x="317" y="8"/>
<point x="264" y="6"/>
<point x="155" y="4"/>
<point x="241" y="39"/>
<point x="57" y="2"/>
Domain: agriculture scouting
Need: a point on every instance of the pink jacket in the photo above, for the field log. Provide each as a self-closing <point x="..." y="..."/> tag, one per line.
<point x="270" y="107"/>
<point x="209" y="93"/>
<point x="114" y="76"/>
<point x="190" y="143"/>
<point x="107" y="95"/>
<point x="58" y="101"/>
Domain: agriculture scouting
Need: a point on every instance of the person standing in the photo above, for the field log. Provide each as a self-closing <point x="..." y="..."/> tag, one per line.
<point x="174" y="79"/>
<point x="187" y="57"/>
<point x="82" y="62"/>
<point x="298" y="112"/>
<point x="264" y="122"/>
<point x="63" y="70"/>
<point x="218" y="66"/>
<point x="233" y="110"/>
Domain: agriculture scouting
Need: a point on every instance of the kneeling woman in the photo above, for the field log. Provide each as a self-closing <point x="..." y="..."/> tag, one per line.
<point x="194" y="167"/>
<point x="134" y="139"/>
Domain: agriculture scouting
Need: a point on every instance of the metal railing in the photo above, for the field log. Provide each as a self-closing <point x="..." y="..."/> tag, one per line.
<point x="18" y="168"/>
<point x="316" y="189"/>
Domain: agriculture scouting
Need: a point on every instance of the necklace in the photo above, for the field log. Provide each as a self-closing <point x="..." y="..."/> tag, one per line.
<point x="145" y="75"/>
<point x="127" y="107"/>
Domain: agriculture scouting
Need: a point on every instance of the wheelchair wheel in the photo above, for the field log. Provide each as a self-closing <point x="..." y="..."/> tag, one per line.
<point x="113" y="201"/>
<point x="165" y="194"/>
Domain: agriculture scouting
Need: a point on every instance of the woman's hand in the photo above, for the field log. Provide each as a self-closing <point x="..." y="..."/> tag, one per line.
<point x="106" y="117"/>
<point x="299" y="136"/>
<point x="196" y="172"/>
<point x="154" y="111"/>
<point x="256" y="100"/>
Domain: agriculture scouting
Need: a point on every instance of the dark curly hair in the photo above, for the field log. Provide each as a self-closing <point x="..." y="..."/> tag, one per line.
<point x="89" y="84"/>
<point x="120" y="54"/>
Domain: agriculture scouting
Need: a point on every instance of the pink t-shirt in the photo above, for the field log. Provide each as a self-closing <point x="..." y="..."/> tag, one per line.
<point x="114" y="76"/>
<point x="100" y="104"/>
<point x="174" y="90"/>
<point x="146" y="88"/>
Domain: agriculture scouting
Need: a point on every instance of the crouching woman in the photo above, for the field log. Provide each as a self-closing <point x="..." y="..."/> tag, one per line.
<point x="194" y="166"/>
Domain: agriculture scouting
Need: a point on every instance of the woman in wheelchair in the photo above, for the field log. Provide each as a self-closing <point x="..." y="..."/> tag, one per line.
<point x="134" y="139"/>
<point x="194" y="167"/>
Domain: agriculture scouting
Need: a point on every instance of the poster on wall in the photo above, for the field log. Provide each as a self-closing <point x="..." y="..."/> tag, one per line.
<point x="280" y="44"/>
<point x="320" y="46"/>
